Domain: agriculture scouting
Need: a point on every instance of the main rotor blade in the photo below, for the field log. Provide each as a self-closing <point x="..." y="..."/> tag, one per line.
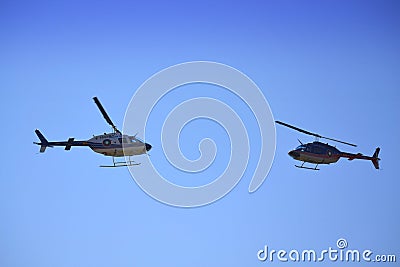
<point x="105" y="115"/>
<point x="298" y="129"/>
<point x="349" y="144"/>
<point x="313" y="134"/>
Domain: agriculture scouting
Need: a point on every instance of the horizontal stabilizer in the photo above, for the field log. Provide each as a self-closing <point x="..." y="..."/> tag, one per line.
<point x="69" y="143"/>
<point x="355" y="156"/>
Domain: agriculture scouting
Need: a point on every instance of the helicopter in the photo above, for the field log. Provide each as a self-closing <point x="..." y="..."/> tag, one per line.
<point x="113" y="144"/>
<point x="322" y="153"/>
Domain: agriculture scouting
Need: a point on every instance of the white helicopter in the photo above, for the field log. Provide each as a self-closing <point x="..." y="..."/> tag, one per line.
<point x="113" y="144"/>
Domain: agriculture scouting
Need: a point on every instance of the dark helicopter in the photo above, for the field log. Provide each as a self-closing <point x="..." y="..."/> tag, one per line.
<point x="321" y="153"/>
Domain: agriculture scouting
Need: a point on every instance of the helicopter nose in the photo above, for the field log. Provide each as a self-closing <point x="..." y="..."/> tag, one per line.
<point x="148" y="147"/>
<point x="294" y="154"/>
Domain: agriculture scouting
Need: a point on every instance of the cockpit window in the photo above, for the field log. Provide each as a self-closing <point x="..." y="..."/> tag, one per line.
<point x="301" y="148"/>
<point x="135" y="139"/>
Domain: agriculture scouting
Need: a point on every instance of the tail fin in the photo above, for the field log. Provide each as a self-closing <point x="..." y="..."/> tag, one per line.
<point x="375" y="160"/>
<point x="43" y="141"/>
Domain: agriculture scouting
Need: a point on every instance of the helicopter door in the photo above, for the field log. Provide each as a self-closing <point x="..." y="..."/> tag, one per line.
<point x="123" y="140"/>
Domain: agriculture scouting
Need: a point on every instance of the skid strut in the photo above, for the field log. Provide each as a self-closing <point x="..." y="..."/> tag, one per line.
<point x="121" y="163"/>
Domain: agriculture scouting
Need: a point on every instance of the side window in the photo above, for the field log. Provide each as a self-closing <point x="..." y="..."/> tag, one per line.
<point x="106" y="142"/>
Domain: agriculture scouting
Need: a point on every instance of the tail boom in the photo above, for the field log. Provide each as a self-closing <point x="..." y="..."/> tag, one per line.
<point x="68" y="144"/>
<point x="374" y="159"/>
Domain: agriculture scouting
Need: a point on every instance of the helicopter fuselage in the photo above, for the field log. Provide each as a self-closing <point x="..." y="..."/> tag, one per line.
<point x="316" y="152"/>
<point x="118" y="145"/>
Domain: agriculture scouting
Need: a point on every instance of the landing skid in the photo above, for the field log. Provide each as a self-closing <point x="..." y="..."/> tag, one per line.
<point x="308" y="168"/>
<point x="121" y="163"/>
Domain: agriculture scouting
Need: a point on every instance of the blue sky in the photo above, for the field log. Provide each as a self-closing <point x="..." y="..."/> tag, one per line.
<point x="331" y="67"/>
